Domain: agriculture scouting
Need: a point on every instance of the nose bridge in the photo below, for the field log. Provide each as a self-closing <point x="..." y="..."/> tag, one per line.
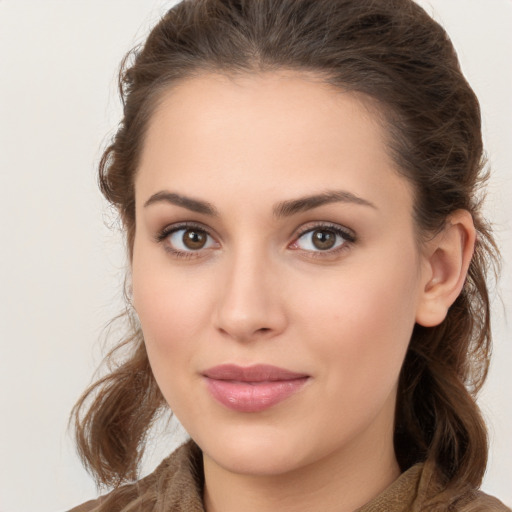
<point x="249" y="304"/>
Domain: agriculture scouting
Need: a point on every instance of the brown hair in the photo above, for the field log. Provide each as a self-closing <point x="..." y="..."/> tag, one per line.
<point x="393" y="52"/>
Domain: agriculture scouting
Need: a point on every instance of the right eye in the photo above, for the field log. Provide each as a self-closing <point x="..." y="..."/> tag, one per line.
<point x="184" y="241"/>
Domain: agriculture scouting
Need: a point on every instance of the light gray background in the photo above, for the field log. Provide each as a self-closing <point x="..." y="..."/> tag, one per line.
<point x="61" y="269"/>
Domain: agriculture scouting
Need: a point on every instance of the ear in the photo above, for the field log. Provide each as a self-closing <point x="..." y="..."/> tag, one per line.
<point x="446" y="260"/>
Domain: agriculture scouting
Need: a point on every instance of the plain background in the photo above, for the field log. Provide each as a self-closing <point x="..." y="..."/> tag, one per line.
<point x="61" y="268"/>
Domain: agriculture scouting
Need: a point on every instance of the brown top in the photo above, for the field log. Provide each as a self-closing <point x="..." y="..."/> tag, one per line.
<point x="176" y="486"/>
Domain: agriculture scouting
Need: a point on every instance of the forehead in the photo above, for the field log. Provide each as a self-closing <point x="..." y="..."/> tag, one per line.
<point x="280" y="132"/>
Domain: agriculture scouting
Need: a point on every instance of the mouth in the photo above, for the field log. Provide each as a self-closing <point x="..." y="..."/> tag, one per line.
<point x="253" y="388"/>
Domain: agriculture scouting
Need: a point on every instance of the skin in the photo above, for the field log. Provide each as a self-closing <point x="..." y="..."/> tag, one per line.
<point x="259" y="290"/>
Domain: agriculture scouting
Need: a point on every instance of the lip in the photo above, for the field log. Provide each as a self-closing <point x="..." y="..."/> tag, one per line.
<point x="252" y="388"/>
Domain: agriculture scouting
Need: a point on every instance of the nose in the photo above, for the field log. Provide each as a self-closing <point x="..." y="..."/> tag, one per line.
<point x="250" y="304"/>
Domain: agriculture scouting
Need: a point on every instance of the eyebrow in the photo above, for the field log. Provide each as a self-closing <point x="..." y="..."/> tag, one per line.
<point x="195" y="205"/>
<point x="291" y="207"/>
<point x="282" y="209"/>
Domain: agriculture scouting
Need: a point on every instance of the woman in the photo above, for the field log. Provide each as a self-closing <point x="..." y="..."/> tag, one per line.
<point x="298" y="183"/>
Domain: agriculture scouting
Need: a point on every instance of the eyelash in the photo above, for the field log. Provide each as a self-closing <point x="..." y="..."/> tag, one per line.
<point x="348" y="236"/>
<point x="162" y="236"/>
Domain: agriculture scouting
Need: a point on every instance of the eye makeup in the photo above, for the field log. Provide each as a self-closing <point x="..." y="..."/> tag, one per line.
<point x="318" y="240"/>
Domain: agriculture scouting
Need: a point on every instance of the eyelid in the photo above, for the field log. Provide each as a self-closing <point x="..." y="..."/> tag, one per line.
<point x="171" y="228"/>
<point x="162" y="235"/>
<point x="311" y="226"/>
<point x="347" y="234"/>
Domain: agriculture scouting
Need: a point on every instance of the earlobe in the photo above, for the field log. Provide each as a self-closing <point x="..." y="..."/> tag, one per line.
<point x="446" y="265"/>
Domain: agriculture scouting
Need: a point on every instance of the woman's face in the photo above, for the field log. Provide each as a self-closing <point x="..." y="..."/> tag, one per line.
<point x="275" y="270"/>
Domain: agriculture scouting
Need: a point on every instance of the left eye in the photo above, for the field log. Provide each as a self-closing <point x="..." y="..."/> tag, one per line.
<point x="321" y="239"/>
<point x="190" y="239"/>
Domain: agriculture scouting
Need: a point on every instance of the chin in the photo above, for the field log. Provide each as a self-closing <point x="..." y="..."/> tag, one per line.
<point x="257" y="462"/>
<point x="265" y="454"/>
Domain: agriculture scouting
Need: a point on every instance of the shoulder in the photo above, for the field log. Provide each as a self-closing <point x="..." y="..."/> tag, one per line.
<point x="176" y="480"/>
<point x="479" y="501"/>
<point x="433" y="496"/>
<point x="121" y="497"/>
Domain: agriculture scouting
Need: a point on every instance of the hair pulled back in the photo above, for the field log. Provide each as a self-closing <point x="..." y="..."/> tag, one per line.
<point x="394" y="53"/>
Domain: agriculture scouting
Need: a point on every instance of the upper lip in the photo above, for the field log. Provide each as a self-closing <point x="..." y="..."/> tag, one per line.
<point x="255" y="373"/>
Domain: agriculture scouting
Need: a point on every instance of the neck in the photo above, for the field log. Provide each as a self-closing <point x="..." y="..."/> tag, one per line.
<point x="341" y="482"/>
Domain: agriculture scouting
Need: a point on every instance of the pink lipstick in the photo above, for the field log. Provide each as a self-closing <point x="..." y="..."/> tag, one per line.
<point x="253" y="388"/>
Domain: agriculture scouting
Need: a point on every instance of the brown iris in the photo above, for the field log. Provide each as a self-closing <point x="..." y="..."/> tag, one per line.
<point x="194" y="239"/>
<point x="323" y="239"/>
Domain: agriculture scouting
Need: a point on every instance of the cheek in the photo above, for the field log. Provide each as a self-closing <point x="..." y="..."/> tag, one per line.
<point x="172" y="315"/>
<point x="171" y="308"/>
<point x="361" y="322"/>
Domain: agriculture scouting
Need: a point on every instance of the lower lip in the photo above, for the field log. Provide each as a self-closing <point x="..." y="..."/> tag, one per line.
<point x="253" y="396"/>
